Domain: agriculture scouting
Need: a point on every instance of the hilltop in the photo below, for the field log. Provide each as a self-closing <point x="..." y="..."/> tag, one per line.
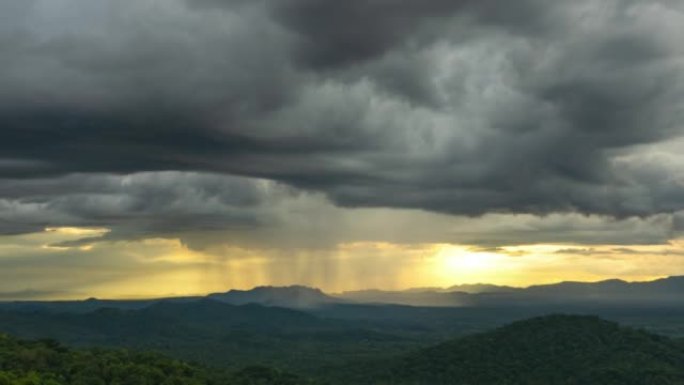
<point x="296" y="297"/>
<point x="550" y="350"/>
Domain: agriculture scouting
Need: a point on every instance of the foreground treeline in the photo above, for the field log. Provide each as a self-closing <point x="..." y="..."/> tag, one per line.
<point x="46" y="362"/>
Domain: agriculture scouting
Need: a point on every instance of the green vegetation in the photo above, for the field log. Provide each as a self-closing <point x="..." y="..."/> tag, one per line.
<point x="46" y="362"/>
<point x="217" y="334"/>
<point x="549" y="350"/>
<point x="553" y="350"/>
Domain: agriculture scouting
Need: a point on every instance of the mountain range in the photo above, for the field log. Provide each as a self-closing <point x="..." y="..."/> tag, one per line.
<point x="661" y="292"/>
<point x="666" y="291"/>
<point x="296" y="297"/>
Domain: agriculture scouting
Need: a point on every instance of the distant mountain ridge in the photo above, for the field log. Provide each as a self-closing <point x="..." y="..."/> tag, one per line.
<point x="409" y="297"/>
<point x="295" y="297"/>
<point x="665" y="291"/>
<point x="479" y="288"/>
<point x="661" y="291"/>
<point x="457" y="295"/>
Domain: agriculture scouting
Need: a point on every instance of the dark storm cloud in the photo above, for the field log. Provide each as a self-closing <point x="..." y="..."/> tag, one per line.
<point x="342" y="33"/>
<point x="335" y="34"/>
<point x="144" y="204"/>
<point x="459" y="107"/>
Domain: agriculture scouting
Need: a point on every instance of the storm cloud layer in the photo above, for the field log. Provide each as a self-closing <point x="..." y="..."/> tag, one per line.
<point x="153" y="116"/>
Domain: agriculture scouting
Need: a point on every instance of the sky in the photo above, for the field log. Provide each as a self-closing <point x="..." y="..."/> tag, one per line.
<point x="173" y="147"/>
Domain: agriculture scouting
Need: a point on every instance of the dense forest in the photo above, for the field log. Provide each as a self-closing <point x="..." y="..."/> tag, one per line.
<point x="550" y="350"/>
<point x="315" y="342"/>
<point x="218" y="334"/>
<point x="46" y="362"/>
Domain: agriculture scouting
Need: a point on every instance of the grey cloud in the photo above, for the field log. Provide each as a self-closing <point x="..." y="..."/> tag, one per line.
<point x="337" y="34"/>
<point x="31" y="295"/>
<point x="313" y="224"/>
<point x="620" y="252"/>
<point x="138" y="205"/>
<point x="206" y="211"/>
<point x="463" y="108"/>
<point x="495" y="231"/>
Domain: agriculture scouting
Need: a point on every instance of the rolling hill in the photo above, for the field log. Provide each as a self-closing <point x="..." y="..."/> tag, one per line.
<point x="550" y="350"/>
<point x="662" y="292"/>
<point x="211" y="332"/>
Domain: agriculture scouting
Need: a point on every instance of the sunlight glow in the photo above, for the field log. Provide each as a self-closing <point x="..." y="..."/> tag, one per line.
<point x="73" y="263"/>
<point x="78" y="231"/>
<point x="454" y="264"/>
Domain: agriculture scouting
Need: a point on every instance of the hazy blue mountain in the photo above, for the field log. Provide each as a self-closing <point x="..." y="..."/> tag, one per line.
<point x="296" y="297"/>
<point x="88" y="305"/>
<point x="667" y="291"/>
<point x="409" y="297"/>
<point x="479" y="288"/>
<point x="665" y="288"/>
<point x="458" y="295"/>
<point x="661" y="292"/>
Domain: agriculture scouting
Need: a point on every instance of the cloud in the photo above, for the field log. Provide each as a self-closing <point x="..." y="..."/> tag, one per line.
<point x="140" y="204"/>
<point x="215" y="212"/>
<point x="32" y="295"/>
<point x="152" y="117"/>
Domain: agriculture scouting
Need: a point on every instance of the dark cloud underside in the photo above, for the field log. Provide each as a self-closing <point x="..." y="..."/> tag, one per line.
<point x="458" y="107"/>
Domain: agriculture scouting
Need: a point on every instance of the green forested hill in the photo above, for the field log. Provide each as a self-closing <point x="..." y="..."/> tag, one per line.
<point x="48" y="363"/>
<point x="214" y="333"/>
<point x="552" y="350"/>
